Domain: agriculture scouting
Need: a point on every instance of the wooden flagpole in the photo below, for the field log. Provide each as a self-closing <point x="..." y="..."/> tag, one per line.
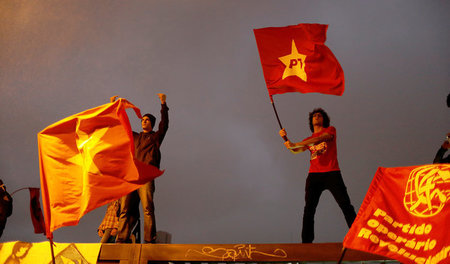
<point x="51" y="249"/>
<point x="342" y="255"/>
<point x="276" y="114"/>
<point x="20" y="190"/>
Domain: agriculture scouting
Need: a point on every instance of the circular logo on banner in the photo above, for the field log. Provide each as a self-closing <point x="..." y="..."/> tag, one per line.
<point x="427" y="190"/>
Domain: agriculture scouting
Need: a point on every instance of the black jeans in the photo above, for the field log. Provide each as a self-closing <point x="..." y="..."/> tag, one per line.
<point x="316" y="183"/>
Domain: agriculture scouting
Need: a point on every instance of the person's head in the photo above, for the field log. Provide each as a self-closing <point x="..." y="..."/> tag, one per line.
<point x="148" y="121"/>
<point x="318" y="117"/>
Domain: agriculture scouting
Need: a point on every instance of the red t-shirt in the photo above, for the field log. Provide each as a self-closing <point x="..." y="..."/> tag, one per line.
<point x="324" y="154"/>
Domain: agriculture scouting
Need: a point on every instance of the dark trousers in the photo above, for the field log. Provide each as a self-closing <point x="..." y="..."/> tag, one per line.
<point x="316" y="183"/>
<point x="129" y="204"/>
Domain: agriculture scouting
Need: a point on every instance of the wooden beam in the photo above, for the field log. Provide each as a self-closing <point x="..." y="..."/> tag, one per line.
<point x="142" y="253"/>
<point x="120" y="253"/>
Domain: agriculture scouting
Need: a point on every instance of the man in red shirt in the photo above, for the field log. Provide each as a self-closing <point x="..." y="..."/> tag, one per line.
<point x="324" y="172"/>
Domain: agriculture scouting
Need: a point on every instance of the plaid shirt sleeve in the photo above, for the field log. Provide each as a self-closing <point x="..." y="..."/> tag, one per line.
<point x="110" y="220"/>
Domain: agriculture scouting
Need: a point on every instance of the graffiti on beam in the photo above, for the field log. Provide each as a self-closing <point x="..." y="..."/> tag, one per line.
<point x="237" y="252"/>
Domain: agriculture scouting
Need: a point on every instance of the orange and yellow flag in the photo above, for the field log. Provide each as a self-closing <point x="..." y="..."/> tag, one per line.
<point x="86" y="161"/>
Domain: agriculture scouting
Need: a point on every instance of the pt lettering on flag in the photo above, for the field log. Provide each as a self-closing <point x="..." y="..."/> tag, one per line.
<point x="295" y="59"/>
<point x="405" y="215"/>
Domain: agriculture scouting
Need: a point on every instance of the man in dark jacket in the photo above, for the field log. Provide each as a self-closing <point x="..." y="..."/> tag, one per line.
<point x="146" y="145"/>
<point x="5" y="206"/>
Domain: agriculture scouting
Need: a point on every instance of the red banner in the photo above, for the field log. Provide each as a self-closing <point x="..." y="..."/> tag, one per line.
<point x="86" y="161"/>
<point x="405" y="214"/>
<point x="295" y="59"/>
<point x="35" y="210"/>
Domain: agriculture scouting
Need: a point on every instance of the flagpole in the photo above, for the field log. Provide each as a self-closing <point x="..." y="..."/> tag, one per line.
<point x="20" y="190"/>
<point x="51" y="248"/>
<point x="276" y="114"/>
<point x="342" y="255"/>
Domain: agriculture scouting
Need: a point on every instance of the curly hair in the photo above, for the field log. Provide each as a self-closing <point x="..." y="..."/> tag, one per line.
<point x="326" y="118"/>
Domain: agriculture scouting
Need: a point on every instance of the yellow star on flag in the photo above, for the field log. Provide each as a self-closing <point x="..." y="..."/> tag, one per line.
<point x="88" y="146"/>
<point x="295" y="63"/>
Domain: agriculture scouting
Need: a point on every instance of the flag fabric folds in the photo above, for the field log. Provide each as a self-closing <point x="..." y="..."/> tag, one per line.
<point x="87" y="160"/>
<point x="295" y="59"/>
<point x="36" y="213"/>
<point x="405" y="214"/>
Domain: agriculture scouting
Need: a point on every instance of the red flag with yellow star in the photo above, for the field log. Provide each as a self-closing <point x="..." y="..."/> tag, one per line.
<point x="86" y="161"/>
<point x="295" y="59"/>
